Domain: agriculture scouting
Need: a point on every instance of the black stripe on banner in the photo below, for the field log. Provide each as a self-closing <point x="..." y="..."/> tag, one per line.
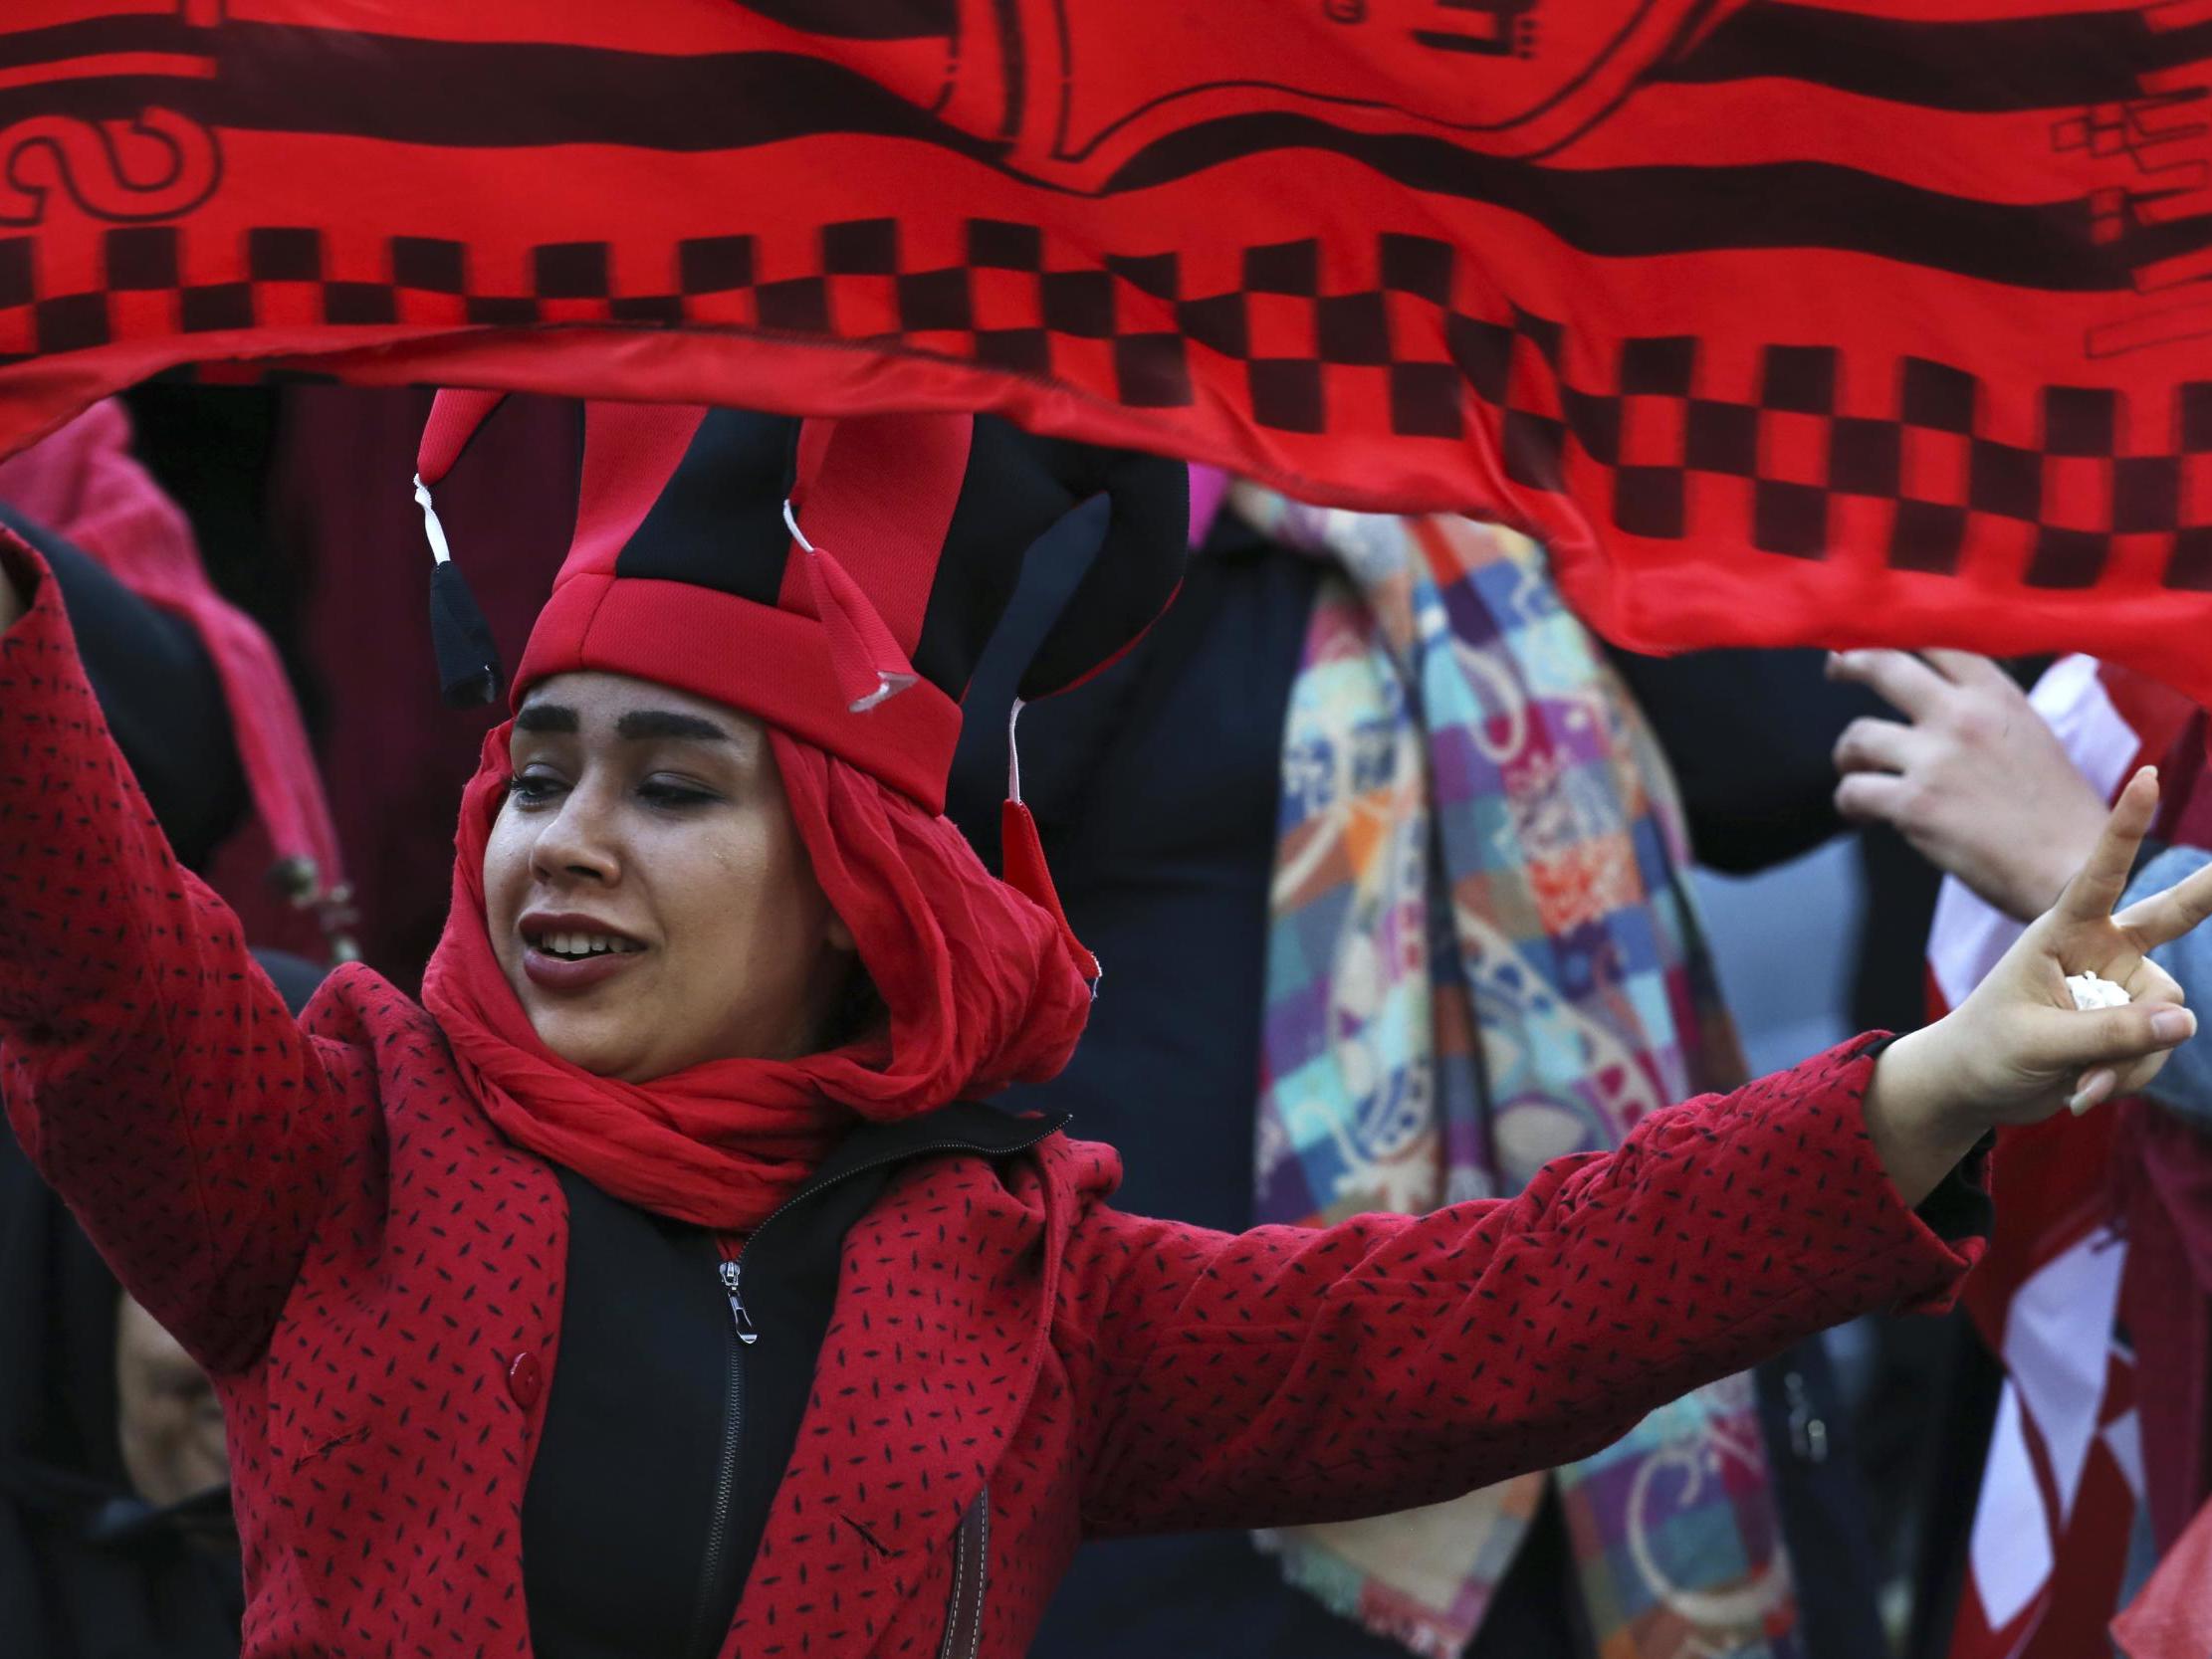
<point x="2029" y="63"/>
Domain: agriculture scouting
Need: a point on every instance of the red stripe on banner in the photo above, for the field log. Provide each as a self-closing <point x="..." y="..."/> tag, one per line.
<point x="157" y="64"/>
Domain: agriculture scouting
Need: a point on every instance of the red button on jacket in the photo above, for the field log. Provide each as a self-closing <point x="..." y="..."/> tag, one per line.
<point x="524" y="1379"/>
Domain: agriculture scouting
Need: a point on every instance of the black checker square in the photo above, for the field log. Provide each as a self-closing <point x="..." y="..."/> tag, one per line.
<point x="2080" y="420"/>
<point x="1659" y="368"/>
<point x="861" y="248"/>
<point x="1789" y="518"/>
<point x="1159" y="275"/>
<point x="1353" y="329"/>
<point x="935" y="300"/>
<point x="1293" y="268"/>
<point x="1078" y="302"/>
<point x="283" y="253"/>
<point x="571" y="271"/>
<point x="800" y="304"/>
<point x="713" y="264"/>
<point x="71" y="322"/>
<point x="2147" y="493"/>
<point x="15" y="270"/>
<point x="2005" y="479"/>
<point x="2190" y="569"/>
<point x="996" y="245"/>
<point x="1797" y="379"/>
<point x="359" y="302"/>
<point x="1220" y="323"/>
<point x="2196" y="417"/>
<point x="2067" y="558"/>
<point x="1417" y="265"/>
<point x="140" y="257"/>
<point x="1484" y="353"/>
<point x="1287" y="393"/>
<point x="1022" y="351"/>
<point x="1649" y="501"/>
<point x="1424" y="400"/>
<point x="1595" y="420"/>
<point x="1928" y="536"/>
<point x="1547" y="336"/>
<point x="212" y="307"/>
<point x="1534" y="446"/>
<point x="1865" y="457"/>
<point x="429" y="263"/>
<point x="1939" y="396"/>
<point x="503" y="311"/>
<point x="1721" y="437"/>
<point x="1151" y="371"/>
<point x="665" y="311"/>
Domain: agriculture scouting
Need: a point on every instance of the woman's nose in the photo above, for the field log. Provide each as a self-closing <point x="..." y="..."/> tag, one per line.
<point x="577" y="842"/>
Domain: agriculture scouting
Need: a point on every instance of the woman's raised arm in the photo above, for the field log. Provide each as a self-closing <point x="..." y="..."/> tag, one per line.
<point x="1288" y="1375"/>
<point x="150" y="1070"/>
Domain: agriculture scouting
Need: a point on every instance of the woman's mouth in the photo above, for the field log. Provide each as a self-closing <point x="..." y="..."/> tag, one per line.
<point x="574" y="958"/>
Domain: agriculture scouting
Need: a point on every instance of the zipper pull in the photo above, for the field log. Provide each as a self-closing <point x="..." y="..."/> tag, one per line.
<point x="746" y="1333"/>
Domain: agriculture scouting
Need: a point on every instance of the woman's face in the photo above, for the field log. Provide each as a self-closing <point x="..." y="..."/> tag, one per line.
<point x="167" y="1420"/>
<point x="646" y="891"/>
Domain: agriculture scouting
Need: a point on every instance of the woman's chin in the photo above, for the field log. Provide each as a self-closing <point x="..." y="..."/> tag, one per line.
<point x="597" y="1043"/>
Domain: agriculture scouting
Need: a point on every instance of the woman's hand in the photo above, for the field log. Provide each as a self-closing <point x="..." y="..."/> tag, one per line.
<point x="11" y="600"/>
<point x="1976" y="781"/>
<point x="2018" y="1049"/>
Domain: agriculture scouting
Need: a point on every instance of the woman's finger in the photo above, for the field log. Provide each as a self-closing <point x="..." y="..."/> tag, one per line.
<point x="1871" y="746"/>
<point x="1865" y="797"/>
<point x="2146" y="982"/>
<point x="1897" y="675"/>
<point x="2165" y="917"/>
<point x="1967" y="668"/>
<point x="2094" y="1087"/>
<point x="2098" y="886"/>
<point x="2078" y="1041"/>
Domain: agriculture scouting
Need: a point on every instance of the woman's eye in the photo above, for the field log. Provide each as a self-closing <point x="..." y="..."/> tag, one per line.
<point x="533" y="789"/>
<point x="663" y="792"/>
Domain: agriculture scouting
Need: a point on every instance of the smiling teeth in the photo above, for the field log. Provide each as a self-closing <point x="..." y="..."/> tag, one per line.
<point x="583" y="944"/>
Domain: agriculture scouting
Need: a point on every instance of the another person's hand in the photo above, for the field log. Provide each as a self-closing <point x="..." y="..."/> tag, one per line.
<point x="2017" y="1049"/>
<point x="1976" y="781"/>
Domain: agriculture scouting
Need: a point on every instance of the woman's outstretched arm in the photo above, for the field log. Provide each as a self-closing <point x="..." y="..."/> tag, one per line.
<point x="1289" y="1374"/>
<point x="150" y="1070"/>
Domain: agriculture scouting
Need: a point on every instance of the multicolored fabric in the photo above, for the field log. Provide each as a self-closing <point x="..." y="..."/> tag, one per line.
<point x="1483" y="954"/>
<point x="1811" y="321"/>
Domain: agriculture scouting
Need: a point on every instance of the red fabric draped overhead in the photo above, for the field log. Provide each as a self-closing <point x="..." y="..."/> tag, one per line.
<point x="1862" y="319"/>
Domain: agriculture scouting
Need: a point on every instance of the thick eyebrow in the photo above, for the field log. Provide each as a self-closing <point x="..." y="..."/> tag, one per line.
<point x="667" y="723"/>
<point x="545" y="717"/>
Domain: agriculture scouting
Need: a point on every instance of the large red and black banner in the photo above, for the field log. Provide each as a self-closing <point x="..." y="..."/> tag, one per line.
<point x="1840" y="321"/>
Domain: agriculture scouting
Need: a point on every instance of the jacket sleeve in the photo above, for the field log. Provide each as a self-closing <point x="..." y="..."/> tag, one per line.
<point x="1289" y="1375"/>
<point x="2184" y="1087"/>
<point x="150" y="1071"/>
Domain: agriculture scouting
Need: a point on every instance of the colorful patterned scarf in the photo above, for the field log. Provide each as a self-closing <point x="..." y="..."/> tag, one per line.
<point x="1483" y="954"/>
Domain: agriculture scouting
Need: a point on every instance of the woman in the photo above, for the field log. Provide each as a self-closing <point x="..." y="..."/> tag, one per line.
<point x="652" y="1290"/>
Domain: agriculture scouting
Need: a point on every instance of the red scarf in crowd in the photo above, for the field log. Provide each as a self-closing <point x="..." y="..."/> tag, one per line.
<point x="980" y="990"/>
<point x="1776" y="321"/>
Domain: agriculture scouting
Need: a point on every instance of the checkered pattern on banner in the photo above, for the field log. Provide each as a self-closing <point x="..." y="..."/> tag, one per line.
<point x="1653" y="420"/>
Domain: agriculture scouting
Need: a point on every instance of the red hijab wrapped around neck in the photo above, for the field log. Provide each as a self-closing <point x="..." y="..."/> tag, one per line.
<point x="979" y="989"/>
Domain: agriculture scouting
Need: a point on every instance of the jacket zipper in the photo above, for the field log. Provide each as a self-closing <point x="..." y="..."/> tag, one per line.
<point x="733" y="1270"/>
<point x="743" y="1335"/>
<point x="704" y="1642"/>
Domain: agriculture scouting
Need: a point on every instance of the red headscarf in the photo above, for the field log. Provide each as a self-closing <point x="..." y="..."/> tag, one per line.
<point x="978" y="983"/>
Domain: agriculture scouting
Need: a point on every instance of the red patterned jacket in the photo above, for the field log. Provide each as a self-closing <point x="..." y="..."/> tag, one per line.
<point x="376" y="1279"/>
